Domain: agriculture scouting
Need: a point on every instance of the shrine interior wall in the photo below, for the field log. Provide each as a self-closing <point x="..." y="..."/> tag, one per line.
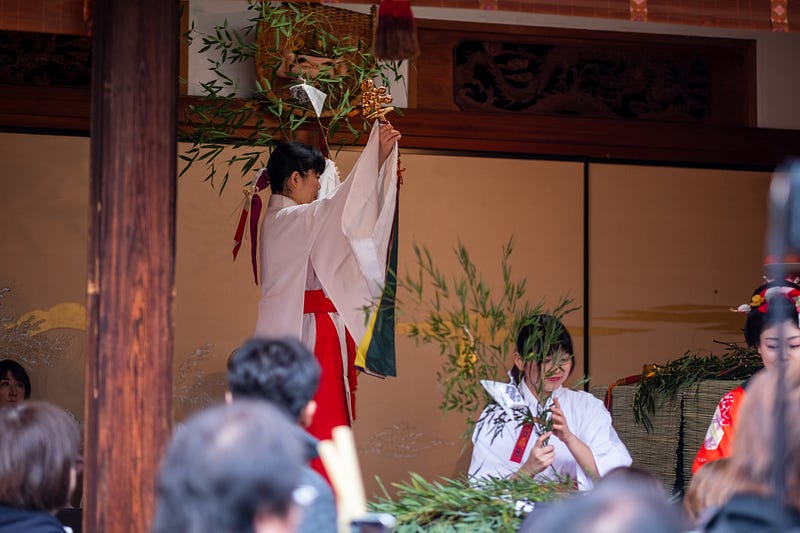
<point x="656" y="255"/>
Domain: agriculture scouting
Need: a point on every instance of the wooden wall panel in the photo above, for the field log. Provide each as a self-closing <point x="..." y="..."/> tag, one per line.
<point x="601" y="74"/>
<point x="47" y="16"/>
<point x="65" y="16"/>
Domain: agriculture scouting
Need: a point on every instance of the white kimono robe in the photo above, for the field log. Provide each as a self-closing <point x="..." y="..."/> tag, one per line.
<point x="337" y="242"/>
<point x="587" y="418"/>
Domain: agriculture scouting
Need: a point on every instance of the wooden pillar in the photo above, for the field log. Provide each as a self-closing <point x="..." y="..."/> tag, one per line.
<point x="131" y="259"/>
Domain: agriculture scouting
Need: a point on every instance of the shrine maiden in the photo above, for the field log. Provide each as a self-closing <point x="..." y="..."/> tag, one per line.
<point x="582" y="444"/>
<point x="323" y="258"/>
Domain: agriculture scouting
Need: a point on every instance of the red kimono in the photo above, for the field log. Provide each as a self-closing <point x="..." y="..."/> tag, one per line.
<point x="719" y="437"/>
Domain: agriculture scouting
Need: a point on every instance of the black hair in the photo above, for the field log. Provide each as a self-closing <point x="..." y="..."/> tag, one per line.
<point x="779" y="310"/>
<point x="542" y="335"/>
<point x="16" y="369"/>
<point x="289" y="157"/>
<point x="282" y="371"/>
<point x="227" y="466"/>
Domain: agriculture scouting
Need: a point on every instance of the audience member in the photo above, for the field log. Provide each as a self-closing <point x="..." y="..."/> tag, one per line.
<point x="230" y="469"/>
<point x="754" y="506"/>
<point x="708" y="490"/>
<point x="633" y="476"/>
<point x="283" y="372"/>
<point x="15" y="385"/>
<point x="38" y="457"/>
<point x="615" y="507"/>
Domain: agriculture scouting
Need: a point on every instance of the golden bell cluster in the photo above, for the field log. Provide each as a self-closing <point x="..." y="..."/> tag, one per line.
<point x="372" y="100"/>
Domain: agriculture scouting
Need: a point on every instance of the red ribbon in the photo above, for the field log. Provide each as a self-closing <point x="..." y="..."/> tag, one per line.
<point x="522" y="443"/>
<point x="252" y="204"/>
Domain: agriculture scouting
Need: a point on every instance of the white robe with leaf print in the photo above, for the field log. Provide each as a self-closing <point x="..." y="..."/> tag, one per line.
<point x="588" y="420"/>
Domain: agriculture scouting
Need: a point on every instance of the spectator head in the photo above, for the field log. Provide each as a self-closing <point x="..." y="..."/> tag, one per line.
<point x="15" y="385"/>
<point x="613" y="507"/>
<point x="632" y="476"/>
<point x="754" y="443"/>
<point x="230" y="468"/>
<point x="281" y="371"/>
<point x="708" y="489"/>
<point x="39" y="445"/>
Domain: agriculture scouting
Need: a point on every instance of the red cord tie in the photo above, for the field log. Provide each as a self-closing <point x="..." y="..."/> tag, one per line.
<point x="252" y="205"/>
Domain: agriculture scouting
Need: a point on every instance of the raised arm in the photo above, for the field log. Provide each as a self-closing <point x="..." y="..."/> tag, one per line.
<point x="388" y="137"/>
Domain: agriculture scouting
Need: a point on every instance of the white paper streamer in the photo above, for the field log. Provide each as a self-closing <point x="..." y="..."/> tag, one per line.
<point x="305" y="93"/>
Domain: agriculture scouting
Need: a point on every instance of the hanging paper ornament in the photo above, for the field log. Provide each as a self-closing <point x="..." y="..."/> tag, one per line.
<point x="396" y="31"/>
<point x="305" y="93"/>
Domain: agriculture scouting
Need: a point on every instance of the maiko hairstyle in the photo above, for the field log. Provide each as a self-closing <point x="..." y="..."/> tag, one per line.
<point x="542" y="333"/>
<point x="226" y="467"/>
<point x="771" y="304"/>
<point x="289" y="157"/>
<point x="280" y="370"/>
<point x="39" y="445"/>
<point x="16" y="369"/>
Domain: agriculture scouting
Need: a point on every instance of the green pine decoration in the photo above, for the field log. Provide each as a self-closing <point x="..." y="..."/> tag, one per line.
<point x="228" y="116"/>
<point x="662" y="382"/>
<point x="455" y="505"/>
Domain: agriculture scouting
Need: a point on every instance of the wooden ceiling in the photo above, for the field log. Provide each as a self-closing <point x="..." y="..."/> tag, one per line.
<point x="442" y="127"/>
<point x="67" y="16"/>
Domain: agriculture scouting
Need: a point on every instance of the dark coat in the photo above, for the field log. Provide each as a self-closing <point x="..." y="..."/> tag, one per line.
<point x="26" y="521"/>
<point x="751" y="513"/>
<point x="318" y="505"/>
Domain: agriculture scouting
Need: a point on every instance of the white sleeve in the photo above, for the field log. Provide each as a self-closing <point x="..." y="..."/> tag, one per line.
<point x="369" y="212"/>
<point x="599" y="435"/>
<point x="490" y="452"/>
<point x="348" y="235"/>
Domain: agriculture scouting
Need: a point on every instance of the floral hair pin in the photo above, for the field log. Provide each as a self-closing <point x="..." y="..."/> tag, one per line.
<point x="761" y="300"/>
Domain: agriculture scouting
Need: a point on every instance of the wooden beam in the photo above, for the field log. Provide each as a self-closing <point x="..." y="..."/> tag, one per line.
<point x="45" y="16"/>
<point x="529" y="135"/>
<point x="66" y="16"/>
<point x="131" y="267"/>
<point x="610" y="139"/>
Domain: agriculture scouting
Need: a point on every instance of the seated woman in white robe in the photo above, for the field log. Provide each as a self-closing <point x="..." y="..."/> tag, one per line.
<point x="582" y="444"/>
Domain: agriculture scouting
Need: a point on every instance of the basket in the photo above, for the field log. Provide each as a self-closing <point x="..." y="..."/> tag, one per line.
<point x="655" y="451"/>
<point x="328" y="47"/>
<point x="699" y="403"/>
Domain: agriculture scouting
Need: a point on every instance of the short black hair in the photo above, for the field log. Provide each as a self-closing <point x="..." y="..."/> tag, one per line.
<point x="281" y="370"/>
<point x="225" y="467"/>
<point x="542" y="335"/>
<point x="19" y="373"/>
<point x="292" y="156"/>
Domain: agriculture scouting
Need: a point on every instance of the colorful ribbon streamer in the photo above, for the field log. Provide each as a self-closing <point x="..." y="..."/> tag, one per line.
<point x="252" y="206"/>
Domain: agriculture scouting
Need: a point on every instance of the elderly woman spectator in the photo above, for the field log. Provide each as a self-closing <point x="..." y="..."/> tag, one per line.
<point x="38" y="466"/>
